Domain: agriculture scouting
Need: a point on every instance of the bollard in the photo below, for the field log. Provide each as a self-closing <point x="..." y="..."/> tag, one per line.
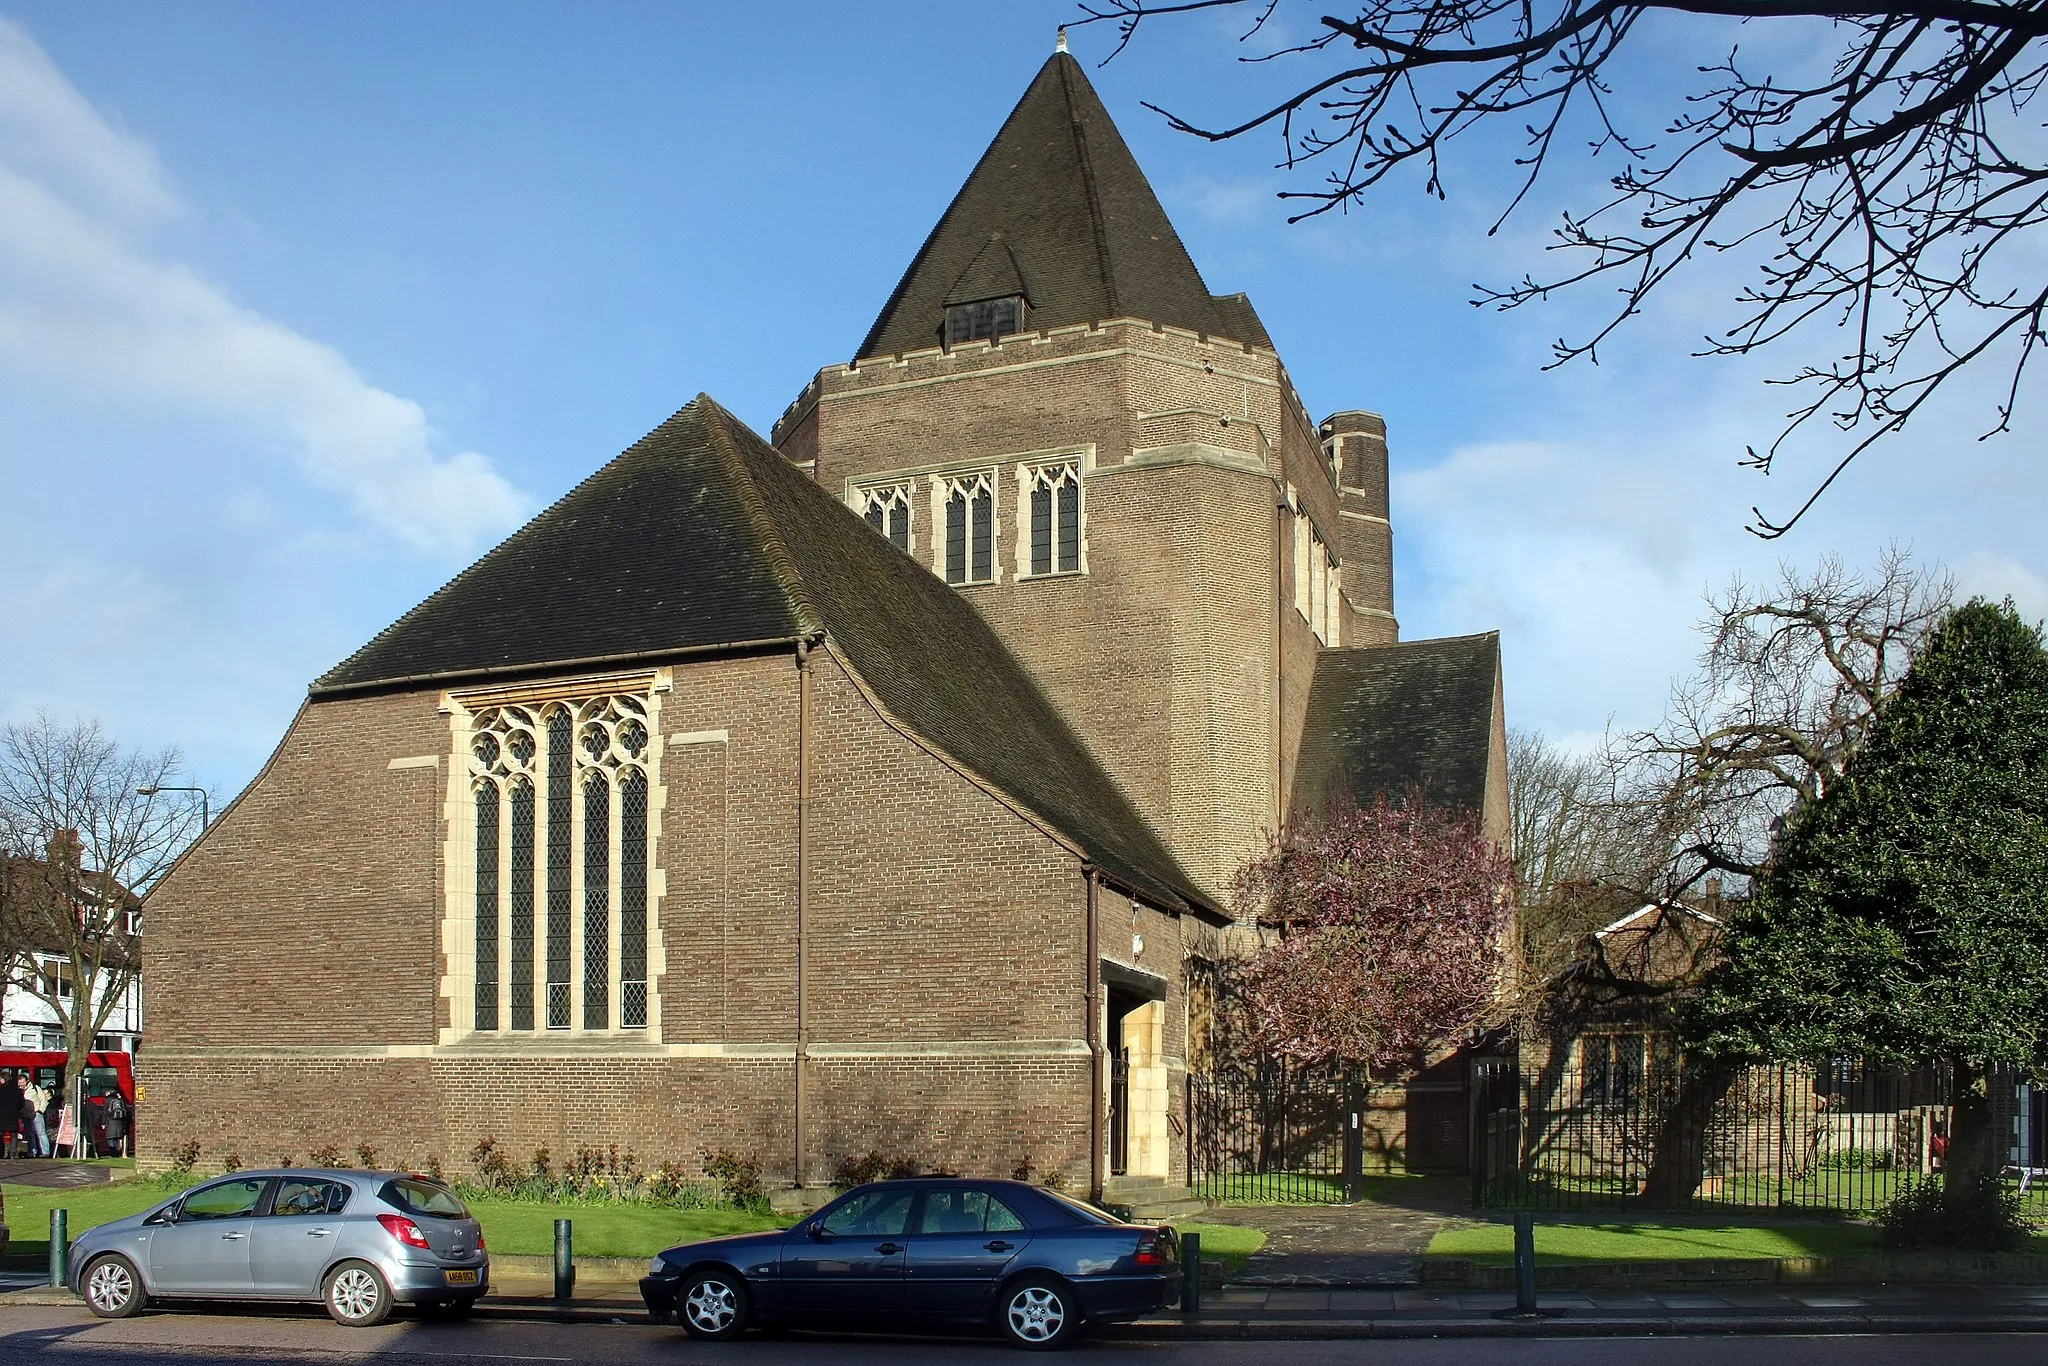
<point x="565" y="1262"/>
<point x="1525" y="1263"/>
<point x="1190" y="1272"/>
<point x="60" y="1249"/>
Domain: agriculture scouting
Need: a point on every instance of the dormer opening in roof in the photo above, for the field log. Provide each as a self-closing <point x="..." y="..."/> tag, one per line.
<point x="989" y="299"/>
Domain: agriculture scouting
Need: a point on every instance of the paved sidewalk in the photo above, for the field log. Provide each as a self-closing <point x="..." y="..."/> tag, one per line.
<point x="1331" y="1314"/>
<point x="58" y="1172"/>
<point x="1373" y="1243"/>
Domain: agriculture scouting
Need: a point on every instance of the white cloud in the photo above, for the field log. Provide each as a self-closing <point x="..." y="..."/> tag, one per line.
<point x="1989" y="574"/>
<point x="84" y="304"/>
<point x="50" y="131"/>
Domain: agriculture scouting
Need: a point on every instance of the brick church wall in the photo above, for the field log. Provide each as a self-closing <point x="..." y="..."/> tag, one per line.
<point x="295" y="968"/>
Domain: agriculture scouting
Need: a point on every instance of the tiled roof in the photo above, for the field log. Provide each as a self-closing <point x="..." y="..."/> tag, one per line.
<point x="1062" y="193"/>
<point x="703" y="535"/>
<point x="659" y="550"/>
<point x="1387" y="718"/>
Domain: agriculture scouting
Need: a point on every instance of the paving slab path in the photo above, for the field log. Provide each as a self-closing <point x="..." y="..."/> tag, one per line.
<point x="1372" y="1243"/>
<point x="55" y="1172"/>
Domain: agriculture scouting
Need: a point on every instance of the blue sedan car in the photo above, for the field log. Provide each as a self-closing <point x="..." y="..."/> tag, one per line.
<point x="932" y="1252"/>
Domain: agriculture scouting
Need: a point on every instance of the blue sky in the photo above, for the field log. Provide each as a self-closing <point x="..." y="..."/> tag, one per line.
<point x="301" y="307"/>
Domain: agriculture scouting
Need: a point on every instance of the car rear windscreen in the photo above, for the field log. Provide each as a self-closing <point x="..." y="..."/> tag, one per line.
<point x="424" y="1197"/>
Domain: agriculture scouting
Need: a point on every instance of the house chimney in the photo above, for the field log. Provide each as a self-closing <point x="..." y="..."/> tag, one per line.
<point x="1714" y="897"/>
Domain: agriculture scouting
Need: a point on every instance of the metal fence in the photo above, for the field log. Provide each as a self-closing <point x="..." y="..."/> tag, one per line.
<point x="1619" y="1127"/>
<point x="1276" y="1135"/>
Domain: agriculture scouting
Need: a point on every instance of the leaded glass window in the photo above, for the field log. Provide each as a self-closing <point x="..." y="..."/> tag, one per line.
<point x="487" y="800"/>
<point x="561" y="820"/>
<point x="633" y="900"/>
<point x="886" y="508"/>
<point x="522" y="905"/>
<point x="970" y="508"/>
<point x="560" y="758"/>
<point x="1055" y="519"/>
<point x="597" y="899"/>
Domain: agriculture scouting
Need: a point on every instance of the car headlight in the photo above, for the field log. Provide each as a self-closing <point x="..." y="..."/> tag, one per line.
<point x="658" y="1268"/>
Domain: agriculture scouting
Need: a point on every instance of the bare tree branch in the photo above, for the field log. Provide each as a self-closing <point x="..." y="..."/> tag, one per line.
<point x="81" y="847"/>
<point x="1889" y="194"/>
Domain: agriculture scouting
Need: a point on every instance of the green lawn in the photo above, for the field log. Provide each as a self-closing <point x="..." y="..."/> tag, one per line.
<point x="1297" y="1188"/>
<point x="28" y="1210"/>
<point x="511" y="1227"/>
<point x="1559" y="1244"/>
<point x="515" y="1228"/>
<point x="1229" y="1244"/>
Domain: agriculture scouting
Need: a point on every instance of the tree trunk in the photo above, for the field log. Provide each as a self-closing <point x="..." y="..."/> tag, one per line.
<point x="1972" y="1139"/>
<point x="1678" y="1154"/>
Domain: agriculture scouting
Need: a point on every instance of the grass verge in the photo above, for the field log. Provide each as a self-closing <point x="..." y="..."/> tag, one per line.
<point x="516" y="1228"/>
<point x="1566" y="1244"/>
<point x="511" y="1227"/>
<point x="1229" y="1244"/>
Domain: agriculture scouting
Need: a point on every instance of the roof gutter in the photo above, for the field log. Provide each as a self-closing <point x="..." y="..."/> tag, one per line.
<point x="549" y="665"/>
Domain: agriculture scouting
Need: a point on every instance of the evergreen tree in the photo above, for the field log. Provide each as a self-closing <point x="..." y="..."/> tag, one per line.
<point x="1905" y="915"/>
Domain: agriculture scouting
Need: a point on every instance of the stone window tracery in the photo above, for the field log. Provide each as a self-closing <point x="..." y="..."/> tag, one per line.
<point x="570" y="778"/>
<point x="966" y="551"/>
<point x="1054" y="497"/>
<point x="886" y="508"/>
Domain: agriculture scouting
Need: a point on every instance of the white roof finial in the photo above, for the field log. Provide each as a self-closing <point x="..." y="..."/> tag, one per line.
<point x="1059" y="44"/>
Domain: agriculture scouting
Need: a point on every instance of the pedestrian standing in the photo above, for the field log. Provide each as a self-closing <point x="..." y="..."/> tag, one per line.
<point x="115" y="1117"/>
<point x="10" y="1114"/>
<point x="37" y="1099"/>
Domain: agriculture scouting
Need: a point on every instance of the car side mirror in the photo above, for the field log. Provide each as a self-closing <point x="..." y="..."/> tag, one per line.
<point x="819" y="1233"/>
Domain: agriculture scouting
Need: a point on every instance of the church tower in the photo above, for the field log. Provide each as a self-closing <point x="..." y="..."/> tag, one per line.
<point x="1056" y="416"/>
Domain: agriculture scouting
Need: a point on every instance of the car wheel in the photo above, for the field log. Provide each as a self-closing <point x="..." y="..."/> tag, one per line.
<point x="713" y="1305"/>
<point x="1039" y="1313"/>
<point x="113" y="1290"/>
<point x="356" y="1295"/>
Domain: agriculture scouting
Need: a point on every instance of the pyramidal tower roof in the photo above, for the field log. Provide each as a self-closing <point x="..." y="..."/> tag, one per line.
<point x="1057" y="209"/>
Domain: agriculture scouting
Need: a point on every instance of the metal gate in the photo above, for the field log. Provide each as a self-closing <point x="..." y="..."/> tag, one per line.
<point x="1276" y="1135"/>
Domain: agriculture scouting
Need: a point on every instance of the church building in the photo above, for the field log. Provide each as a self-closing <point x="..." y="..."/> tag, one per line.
<point x="874" y="786"/>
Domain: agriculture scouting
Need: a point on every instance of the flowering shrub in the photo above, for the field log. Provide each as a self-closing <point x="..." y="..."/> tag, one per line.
<point x="591" y="1174"/>
<point x="1394" y="924"/>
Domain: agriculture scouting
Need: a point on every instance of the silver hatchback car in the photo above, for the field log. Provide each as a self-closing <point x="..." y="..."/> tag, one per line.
<point x="357" y="1242"/>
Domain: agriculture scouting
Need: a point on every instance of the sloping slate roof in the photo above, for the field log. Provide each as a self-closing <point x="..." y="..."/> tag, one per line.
<point x="702" y="534"/>
<point x="659" y="550"/>
<point x="994" y="274"/>
<point x="1385" y="718"/>
<point x="1241" y="321"/>
<point x="1068" y="198"/>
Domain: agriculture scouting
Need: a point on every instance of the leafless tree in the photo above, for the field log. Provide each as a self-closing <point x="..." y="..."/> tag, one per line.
<point x="1786" y="688"/>
<point x="1894" y="191"/>
<point x="81" y="848"/>
<point x="1583" y="855"/>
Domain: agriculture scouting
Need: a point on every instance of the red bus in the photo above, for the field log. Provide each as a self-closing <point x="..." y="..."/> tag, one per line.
<point x="105" y="1073"/>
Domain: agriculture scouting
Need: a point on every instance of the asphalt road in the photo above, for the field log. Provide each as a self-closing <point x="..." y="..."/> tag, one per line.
<point x="70" y="1337"/>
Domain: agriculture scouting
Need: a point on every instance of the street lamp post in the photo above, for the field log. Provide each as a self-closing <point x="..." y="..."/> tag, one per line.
<point x="205" y="804"/>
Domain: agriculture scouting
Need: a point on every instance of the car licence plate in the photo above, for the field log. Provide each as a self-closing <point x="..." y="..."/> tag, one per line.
<point x="461" y="1277"/>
